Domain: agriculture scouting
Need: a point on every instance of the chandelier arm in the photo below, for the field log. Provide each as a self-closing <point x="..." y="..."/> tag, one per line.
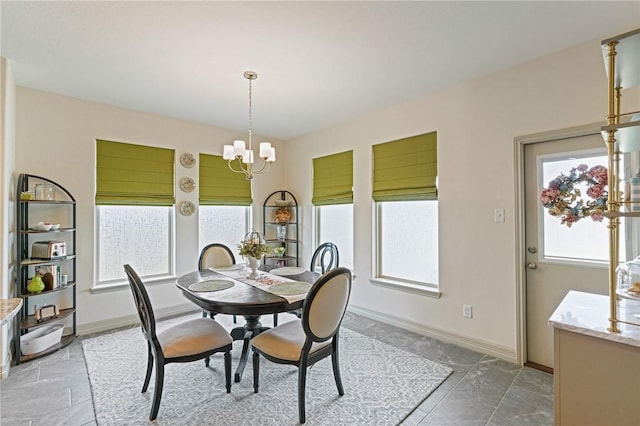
<point x="265" y="167"/>
<point x="242" y="169"/>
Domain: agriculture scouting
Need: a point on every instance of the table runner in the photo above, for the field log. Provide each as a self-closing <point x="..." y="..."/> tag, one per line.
<point x="263" y="282"/>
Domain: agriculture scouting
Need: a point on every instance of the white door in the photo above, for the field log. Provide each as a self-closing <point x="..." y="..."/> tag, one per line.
<point x="559" y="258"/>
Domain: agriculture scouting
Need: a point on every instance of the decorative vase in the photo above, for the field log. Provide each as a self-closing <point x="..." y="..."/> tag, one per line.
<point x="281" y="231"/>
<point x="253" y="264"/>
<point x="36" y="285"/>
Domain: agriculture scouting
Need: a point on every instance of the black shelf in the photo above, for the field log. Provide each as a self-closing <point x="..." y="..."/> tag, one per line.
<point x="292" y="240"/>
<point x="62" y="208"/>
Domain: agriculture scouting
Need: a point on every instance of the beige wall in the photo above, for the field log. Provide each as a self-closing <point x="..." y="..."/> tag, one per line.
<point x="476" y="123"/>
<point x="7" y="158"/>
<point x="56" y="139"/>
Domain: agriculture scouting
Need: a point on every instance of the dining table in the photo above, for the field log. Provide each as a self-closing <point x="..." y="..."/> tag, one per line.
<point x="228" y="290"/>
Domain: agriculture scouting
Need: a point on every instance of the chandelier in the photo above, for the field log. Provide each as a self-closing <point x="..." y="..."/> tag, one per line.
<point x="241" y="156"/>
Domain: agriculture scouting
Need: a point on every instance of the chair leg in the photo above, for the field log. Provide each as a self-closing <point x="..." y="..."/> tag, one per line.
<point x="227" y="370"/>
<point x="206" y="361"/>
<point x="336" y="368"/>
<point x="147" y="377"/>
<point x="302" y="382"/>
<point x="275" y="320"/>
<point x="235" y="321"/>
<point x="204" y="314"/>
<point x="157" y="391"/>
<point x="256" y="371"/>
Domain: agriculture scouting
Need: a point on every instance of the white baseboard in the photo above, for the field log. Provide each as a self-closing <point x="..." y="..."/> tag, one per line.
<point x="477" y="345"/>
<point x="113" y="323"/>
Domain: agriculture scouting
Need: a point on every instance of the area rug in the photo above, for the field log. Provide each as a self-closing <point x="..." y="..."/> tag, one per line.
<point x="382" y="386"/>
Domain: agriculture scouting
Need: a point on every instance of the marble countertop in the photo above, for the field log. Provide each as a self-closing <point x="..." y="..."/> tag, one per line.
<point x="588" y="313"/>
<point x="8" y="308"/>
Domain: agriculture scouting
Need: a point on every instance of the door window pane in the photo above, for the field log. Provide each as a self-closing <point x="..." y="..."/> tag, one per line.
<point x="408" y="241"/>
<point x="335" y="225"/>
<point x="586" y="240"/>
<point x="135" y="235"/>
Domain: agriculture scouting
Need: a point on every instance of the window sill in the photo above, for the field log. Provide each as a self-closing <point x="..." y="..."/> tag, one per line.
<point x="122" y="285"/>
<point x="407" y="287"/>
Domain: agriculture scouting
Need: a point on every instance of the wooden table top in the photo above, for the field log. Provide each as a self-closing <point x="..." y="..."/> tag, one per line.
<point x="242" y="298"/>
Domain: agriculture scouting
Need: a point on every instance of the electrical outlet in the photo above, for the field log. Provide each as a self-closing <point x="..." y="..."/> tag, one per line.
<point x="498" y="215"/>
<point x="467" y="311"/>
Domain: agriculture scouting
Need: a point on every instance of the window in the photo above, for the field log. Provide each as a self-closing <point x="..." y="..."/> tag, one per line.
<point x="406" y="212"/>
<point x="333" y="198"/>
<point x="134" y="210"/>
<point x="408" y="241"/>
<point x="335" y="225"/>
<point x="225" y="204"/>
<point x="137" y="235"/>
<point x="224" y="224"/>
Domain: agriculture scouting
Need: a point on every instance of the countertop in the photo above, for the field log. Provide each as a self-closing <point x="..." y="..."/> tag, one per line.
<point x="588" y="313"/>
<point x="8" y="308"/>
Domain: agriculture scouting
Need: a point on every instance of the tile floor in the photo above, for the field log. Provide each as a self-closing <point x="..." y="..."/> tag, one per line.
<point x="482" y="390"/>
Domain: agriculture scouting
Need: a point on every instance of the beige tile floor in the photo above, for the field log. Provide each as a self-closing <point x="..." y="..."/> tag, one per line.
<point x="482" y="390"/>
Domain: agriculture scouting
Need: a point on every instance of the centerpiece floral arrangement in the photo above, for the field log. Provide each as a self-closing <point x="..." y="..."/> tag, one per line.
<point x="564" y="199"/>
<point x="254" y="246"/>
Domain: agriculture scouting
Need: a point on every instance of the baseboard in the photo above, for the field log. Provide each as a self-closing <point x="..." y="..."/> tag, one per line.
<point x="477" y="345"/>
<point x="113" y="323"/>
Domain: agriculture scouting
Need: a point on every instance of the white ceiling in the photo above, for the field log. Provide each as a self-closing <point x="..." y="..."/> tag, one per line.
<point x="319" y="63"/>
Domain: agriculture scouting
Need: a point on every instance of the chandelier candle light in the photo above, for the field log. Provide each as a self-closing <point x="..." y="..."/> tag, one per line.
<point x="244" y="156"/>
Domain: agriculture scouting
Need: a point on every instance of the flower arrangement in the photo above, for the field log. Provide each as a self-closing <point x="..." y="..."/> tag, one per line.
<point x="253" y="245"/>
<point x="564" y="199"/>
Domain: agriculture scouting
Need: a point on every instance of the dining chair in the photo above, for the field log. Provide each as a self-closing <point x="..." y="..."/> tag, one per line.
<point x="305" y="341"/>
<point x="188" y="341"/>
<point x="215" y="255"/>
<point x="327" y="257"/>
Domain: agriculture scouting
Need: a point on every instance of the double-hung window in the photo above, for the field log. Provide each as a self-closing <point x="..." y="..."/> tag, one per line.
<point x="134" y="203"/>
<point x="406" y="212"/>
<point x="333" y="198"/>
<point x="225" y="204"/>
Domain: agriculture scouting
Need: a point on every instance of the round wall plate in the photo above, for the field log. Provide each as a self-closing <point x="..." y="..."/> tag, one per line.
<point x="187" y="184"/>
<point x="187" y="208"/>
<point x="187" y="160"/>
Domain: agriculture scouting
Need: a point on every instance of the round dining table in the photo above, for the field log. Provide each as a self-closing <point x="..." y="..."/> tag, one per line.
<point x="240" y="299"/>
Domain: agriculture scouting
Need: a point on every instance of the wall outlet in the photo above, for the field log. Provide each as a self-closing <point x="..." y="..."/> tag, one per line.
<point x="467" y="311"/>
<point x="498" y="215"/>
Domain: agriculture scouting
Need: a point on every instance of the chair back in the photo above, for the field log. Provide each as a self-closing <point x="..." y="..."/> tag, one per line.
<point x="215" y="255"/>
<point x="143" y="304"/>
<point x="327" y="256"/>
<point x="326" y="304"/>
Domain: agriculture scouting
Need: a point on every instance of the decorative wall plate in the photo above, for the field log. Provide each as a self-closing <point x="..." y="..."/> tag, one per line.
<point x="187" y="184"/>
<point x="187" y="160"/>
<point x="187" y="208"/>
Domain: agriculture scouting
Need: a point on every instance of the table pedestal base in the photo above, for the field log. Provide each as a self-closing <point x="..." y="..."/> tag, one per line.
<point x="250" y="329"/>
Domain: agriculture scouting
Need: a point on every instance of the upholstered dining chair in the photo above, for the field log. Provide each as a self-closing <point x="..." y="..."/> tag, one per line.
<point x="215" y="255"/>
<point x="325" y="256"/>
<point x="185" y="342"/>
<point x="305" y="341"/>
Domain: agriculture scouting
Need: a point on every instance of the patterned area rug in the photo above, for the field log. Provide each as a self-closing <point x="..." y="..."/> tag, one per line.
<point x="382" y="385"/>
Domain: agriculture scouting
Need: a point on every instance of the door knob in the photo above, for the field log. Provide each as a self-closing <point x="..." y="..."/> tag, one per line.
<point x="531" y="265"/>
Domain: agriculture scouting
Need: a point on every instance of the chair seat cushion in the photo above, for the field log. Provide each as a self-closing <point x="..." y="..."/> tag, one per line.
<point x="285" y="341"/>
<point x="193" y="337"/>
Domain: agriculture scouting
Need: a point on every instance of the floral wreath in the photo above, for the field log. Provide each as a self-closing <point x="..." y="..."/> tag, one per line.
<point x="564" y="200"/>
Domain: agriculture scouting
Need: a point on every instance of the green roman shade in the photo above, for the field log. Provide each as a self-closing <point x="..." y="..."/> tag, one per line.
<point x="220" y="186"/>
<point x="128" y="174"/>
<point x="406" y="169"/>
<point x="333" y="179"/>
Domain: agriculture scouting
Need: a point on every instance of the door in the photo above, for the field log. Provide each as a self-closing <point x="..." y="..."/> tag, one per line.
<point x="559" y="258"/>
